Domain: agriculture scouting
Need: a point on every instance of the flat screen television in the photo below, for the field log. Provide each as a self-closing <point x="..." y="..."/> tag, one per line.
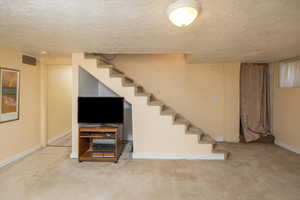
<point x="100" y="110"/>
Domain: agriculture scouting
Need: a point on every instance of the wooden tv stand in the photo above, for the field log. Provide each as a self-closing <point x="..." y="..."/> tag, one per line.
<point x="113" y="135"/>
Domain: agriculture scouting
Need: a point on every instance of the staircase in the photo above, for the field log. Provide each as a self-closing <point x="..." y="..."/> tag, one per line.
<point x="158" y="130"/>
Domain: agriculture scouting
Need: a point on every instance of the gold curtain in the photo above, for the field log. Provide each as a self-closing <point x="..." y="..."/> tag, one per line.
<point x="254" y="100"/>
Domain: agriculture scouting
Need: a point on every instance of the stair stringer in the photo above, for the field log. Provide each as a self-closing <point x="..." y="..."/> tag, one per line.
<point x="153" y="133"/>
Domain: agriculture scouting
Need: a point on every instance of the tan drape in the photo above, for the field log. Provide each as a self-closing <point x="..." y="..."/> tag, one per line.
<point x="254" y="100"/>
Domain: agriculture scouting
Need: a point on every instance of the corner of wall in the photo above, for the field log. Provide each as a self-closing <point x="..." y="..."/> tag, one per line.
<point x="232" y="101"/>
<point x="77" y="59"/>
<point x="43" y="88"/>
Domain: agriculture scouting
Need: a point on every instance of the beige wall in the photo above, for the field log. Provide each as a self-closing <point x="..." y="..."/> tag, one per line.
<point x="59" y="98"/>
<point x="24" y="134"/>
<point x="286" y="112"/>
<point x="206" y="94"/>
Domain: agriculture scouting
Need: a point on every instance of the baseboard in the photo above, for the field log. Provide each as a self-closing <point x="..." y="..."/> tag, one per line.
<point x="219" y="139"/>
<point x="73" y="155"/>
<point x="53" y="140"/>
<point x="19" y="156"/>
<point x="179" y="156"/>
<point x="285" y="146"/>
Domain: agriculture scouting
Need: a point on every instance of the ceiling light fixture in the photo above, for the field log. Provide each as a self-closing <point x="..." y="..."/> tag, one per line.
<point x="183" y="12"/>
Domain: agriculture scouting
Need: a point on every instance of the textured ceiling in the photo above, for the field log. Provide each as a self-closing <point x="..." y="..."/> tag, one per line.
<point x="227" y="30"/>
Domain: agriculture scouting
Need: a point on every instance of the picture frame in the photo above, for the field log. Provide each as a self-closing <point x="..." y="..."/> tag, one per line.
<point x="9" y="94"/>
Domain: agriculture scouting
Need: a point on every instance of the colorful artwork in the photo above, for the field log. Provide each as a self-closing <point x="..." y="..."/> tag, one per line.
<point x="9" y="94"/>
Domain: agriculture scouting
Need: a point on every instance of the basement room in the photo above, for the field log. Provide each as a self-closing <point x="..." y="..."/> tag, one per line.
<point x="140" y="99"/>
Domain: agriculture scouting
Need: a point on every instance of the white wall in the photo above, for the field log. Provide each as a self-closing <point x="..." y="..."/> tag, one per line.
<point x="88" y="85"/>
<point x="104" y="91"/>
<point x="286" y="111"/>
<point x="24" y="134"/>
<point x="59" y="94"/>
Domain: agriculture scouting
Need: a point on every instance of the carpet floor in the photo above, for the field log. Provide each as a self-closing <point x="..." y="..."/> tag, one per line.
<point x="253" y="172"/>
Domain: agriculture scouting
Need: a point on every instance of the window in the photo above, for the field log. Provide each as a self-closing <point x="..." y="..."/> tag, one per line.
<point x="289" y="74"/>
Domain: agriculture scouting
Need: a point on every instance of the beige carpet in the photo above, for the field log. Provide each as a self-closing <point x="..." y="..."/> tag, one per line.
<point x="254" y="172"/>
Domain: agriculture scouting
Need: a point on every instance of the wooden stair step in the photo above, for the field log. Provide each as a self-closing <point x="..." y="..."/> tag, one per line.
<point x="219" y="151"/>
<point x="140" y="91"/>
<point x="116" y="74"/>
<point x="146" y="94"/>
<point x="207" y="139"/>
<point x="127" y="79"/>
<point x="156" y="103"/>
<point x="152" y="98"/>
<point x="90" y="56"/>
<point x="140" y="88"/>
<point x="180" y="120"/>
<point x="168" y="111"/>
<point x="128" y="82"/>
<point x="200" y="138"/>
<point x="195" y="131"/>
<point x="101" y="65"/>
<point x="115" y="70"/>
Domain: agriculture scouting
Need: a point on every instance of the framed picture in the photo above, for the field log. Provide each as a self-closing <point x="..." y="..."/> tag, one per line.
<point x="9" y="94"/>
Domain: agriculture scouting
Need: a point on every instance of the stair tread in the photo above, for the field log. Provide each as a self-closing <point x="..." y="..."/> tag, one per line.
<point x="156" y="102"/>
<point x="220" y="151"/>
<point x="115" y="74"/>
<point x="195" y="131"/>
<point x="142" y="94"/>
<point x="128" y="81"/>
<point x="168" y="111"/>
<point x="140" y="91"/>
<point x="207" y="139"/>
<point x="115" y="70"/>
<point x="128" y="78"/>
<point x="100" y="65"/>
<point x="129" y="84"/>
<point x="181" y="121"/>
<point x="140" y="88"/>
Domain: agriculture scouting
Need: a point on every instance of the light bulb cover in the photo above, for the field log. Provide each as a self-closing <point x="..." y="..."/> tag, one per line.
<point x="183" y="12"/>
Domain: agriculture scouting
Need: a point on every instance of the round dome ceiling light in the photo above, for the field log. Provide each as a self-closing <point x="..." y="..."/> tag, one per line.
<point x="183" y="12"/>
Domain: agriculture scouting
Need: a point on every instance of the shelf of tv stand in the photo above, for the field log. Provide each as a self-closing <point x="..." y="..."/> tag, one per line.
<point x="88" y="156"/>
<point x="87" y="134"/>
<point x="96" y="136"/>
<point x="99" y="129"/>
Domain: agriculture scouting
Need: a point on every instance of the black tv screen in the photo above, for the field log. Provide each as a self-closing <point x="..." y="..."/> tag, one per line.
<point x="100" y="109"/>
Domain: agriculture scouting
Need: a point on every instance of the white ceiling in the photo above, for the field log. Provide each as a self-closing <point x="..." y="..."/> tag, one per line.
<point x="227" y="30"/>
